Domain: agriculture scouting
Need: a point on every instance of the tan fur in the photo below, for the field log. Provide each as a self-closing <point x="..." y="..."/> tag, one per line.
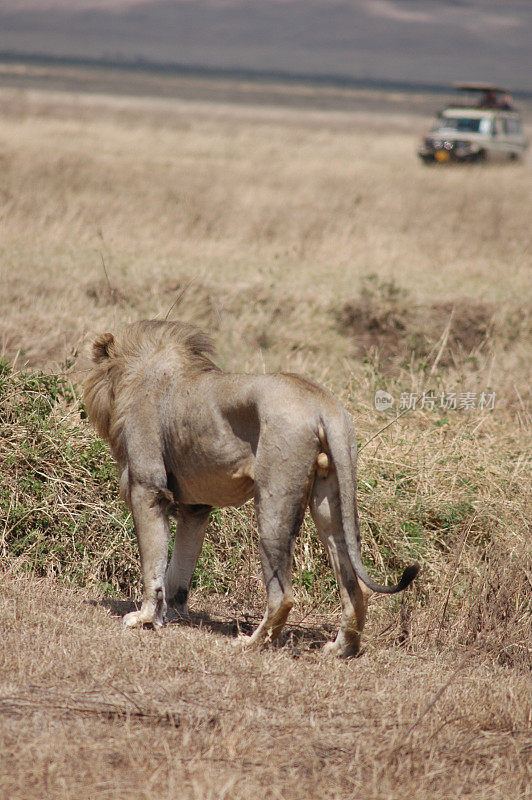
<point x="188" y="437"/>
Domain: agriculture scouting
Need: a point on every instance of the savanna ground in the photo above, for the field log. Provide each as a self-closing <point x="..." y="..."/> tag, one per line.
<point x="305" y="239"/>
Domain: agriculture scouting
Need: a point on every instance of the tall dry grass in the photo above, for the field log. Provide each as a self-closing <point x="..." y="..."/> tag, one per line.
<point x="304" y="241"/>
<point x="260" y="214"/>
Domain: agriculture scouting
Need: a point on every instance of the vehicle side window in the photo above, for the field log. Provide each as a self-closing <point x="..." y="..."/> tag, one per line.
<point x="512" y="126"/>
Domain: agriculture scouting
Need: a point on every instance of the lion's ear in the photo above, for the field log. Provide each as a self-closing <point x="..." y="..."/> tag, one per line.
<point x="103" y="347"/>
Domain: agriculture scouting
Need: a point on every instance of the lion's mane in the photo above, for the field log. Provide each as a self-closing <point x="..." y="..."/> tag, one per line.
<point x="112" y="384"/>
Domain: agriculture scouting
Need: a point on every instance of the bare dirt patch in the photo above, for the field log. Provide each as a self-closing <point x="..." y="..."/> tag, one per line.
<point x="386" y="317"/>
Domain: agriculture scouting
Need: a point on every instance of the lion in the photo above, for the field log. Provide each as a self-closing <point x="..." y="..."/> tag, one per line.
<point x="188" y="437"/>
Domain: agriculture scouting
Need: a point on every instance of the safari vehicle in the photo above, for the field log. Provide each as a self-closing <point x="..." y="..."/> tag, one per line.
<point x="483" y="125"/>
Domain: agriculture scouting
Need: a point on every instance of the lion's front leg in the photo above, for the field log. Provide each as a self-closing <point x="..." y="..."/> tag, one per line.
<point x="190" y="531"/>
<point x="152" y="530"/>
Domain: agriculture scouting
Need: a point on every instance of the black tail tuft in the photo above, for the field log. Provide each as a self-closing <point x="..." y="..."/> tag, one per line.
<point x="407" y="577"/>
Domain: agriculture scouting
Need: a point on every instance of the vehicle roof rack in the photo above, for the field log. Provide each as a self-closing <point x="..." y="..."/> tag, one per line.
<point x="491" y="96"/>
<point x="479" y="87"/>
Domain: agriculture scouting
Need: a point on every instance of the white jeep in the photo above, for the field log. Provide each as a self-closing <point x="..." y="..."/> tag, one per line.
<point x="488" y="127"/>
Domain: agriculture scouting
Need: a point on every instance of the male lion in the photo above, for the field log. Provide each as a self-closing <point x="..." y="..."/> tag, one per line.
<point x="188" y="437"/>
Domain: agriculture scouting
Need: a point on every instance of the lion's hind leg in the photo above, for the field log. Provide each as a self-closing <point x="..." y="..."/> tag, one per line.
<point x="280" y="504"/>
<point x="149" y="509"/>
<point x="326" y="513"/>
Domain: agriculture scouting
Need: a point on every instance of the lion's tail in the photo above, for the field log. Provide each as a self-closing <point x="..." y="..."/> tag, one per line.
<point x="342" y="446"/>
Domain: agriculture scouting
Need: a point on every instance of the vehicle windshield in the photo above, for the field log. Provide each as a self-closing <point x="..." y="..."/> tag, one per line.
<point x="463" y="124"/>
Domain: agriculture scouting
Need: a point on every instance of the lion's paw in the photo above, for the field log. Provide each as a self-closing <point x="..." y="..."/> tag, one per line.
<point x="339" y="650"/>
<point x="245" y="643"/>
<point x="134" y="619"/>
<point x="332" y="650"/>
<point x="138" y="618"/>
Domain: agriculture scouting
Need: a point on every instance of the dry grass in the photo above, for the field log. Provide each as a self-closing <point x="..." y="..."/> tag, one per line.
<point x="87" y="711"/>
<point x="255" y="212"/>
<point x="308" y="241"/>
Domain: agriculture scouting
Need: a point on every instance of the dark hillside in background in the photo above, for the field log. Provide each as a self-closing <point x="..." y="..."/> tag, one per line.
<point x="407" y="41"/>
